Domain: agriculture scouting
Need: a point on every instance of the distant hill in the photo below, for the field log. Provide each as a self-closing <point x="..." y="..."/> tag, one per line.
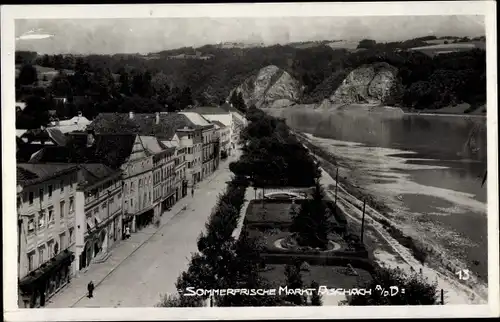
<point x="313" y="71"/>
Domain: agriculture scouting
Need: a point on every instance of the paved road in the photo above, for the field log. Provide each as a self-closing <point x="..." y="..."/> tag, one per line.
<point x="153" y="268"/>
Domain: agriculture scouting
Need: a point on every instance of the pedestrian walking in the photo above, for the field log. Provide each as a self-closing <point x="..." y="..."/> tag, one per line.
<point x="192" y="191"/>
<point x="90" y="288"/>
<point x="127" y="232"/>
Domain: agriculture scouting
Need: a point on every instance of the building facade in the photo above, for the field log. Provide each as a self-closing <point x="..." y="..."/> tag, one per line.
<point x="208" y="148"/>
<point x="191" y="140"/>
<point x="208" y="143"/>
<point x="181" y="182"/>
<point x="218" y="114"/>
<point x="138" y="188"/>
<point x="46" y="223"/>
<point x="223" y="133"/>
<point x="98" y="201"/>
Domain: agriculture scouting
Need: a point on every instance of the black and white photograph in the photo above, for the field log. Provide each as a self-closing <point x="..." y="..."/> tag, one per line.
<point x="207" y="157"/>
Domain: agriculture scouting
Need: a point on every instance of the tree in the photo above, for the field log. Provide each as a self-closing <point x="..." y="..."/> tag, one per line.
<point x="312" y="223"/>
<point x="294" y="282"/>
<point x="186" y="98"/>
<point x="124" y="80"/>
<point x="36" y="113"/>
<point x="243" y="273"/>
<point x="61" y="86"/>
<point x="25" y="57"/>
<point x="240" y="102"/>
<point x="417" y="290"/>
<point x="233" y="99"/>
<point x="367" y="43"/>
<point x="316" y="299"/>
<point x="28" y="75"/>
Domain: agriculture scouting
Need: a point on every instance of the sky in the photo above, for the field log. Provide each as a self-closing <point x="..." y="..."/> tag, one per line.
<point x="109" y="36"/>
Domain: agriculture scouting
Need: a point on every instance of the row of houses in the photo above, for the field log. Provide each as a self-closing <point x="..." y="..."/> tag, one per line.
<point x="79" y="191"/>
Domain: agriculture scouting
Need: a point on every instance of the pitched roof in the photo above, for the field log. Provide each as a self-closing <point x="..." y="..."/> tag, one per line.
<point x="46" y="134"/>
<point x="26" y="150"/>
<point x="56" y="135"/>
<point x="142" y="124"/>
<point x="96" y="172"/>
<point x="209" y="110"/>
<point x="153" y="145"/>
<point x="197" y="119"/>
<point x="20" y="132"/>
<point x="219" y="124"/>
<point x="228" y="108"/>
<point x="28" y="173"/>
<point x="112" y="150"/>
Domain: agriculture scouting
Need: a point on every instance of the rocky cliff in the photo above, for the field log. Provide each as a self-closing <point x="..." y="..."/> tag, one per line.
<point x="271" y="87"/>
<point x="373" y="83"/>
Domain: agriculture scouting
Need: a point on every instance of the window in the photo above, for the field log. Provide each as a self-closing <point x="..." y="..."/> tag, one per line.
<point x="41" y="255"/>
<point x="61" y="185"/>
<point x="140" y="183"/>
<point x="41" y="219"/>
<point x="51" y="215"/>
<point x="62" y="205"/>
<point x="50" y="191"/>
<point x="96" y="210"/>
<point x="70" y="239"/>
<point x="103" y="206"/>
<point x="50" y="250"/>
<point x="125" y="188"/>
<point x="31" y="197"/>
<point x="31" y="257"/>
<point x="40" y="193"/>
<point x="71" y="204"/>
<point x="131" y="202"/>
<point x="62" y="241"/>
<point x="31" y="225"/>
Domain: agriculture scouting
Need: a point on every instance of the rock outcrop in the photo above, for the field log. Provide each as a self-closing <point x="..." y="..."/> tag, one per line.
<point x="271" y="87"/>
<point x="373" y="83"/>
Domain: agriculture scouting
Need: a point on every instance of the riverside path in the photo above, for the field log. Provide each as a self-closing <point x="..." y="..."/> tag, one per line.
<point x="147" y="265"/>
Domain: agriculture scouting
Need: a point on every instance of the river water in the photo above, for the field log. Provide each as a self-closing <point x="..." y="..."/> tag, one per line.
<point x="423" y="167"/>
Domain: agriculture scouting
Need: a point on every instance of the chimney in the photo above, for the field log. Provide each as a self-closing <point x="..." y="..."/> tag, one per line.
<point x="90" y="139"/>
<point x="131" y="115"/>
<point x="157" y="117"/>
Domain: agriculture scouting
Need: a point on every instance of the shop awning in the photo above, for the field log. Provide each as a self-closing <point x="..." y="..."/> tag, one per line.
<point x="40" y="275"/>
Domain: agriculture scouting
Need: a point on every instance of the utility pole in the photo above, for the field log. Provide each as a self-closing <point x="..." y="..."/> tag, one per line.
<point x="336" y="185"/>
<point x="442" y="297"/>
<point x="363" y="221"/>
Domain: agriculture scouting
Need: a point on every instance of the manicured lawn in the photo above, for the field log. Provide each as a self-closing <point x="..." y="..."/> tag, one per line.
<point x="270" y="212"/>
<point x="330" y="276"/>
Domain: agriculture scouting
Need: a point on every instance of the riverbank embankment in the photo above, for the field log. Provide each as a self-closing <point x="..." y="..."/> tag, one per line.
<point x="391" y="246"/>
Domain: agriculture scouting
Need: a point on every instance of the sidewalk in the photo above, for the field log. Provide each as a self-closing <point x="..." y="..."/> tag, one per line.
<point x="77" y="289"/>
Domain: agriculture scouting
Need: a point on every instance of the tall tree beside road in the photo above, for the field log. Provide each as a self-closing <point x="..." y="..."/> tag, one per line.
<point x="272" y="156"/>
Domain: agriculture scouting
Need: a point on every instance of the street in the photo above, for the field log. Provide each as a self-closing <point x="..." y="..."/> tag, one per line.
<point x="154" y="266"/>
